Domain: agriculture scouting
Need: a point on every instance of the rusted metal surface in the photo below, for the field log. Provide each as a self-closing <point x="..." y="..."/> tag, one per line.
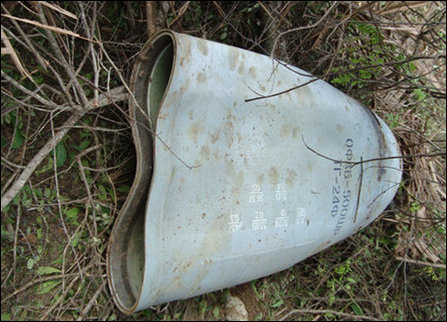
<point x="239" y="190"/>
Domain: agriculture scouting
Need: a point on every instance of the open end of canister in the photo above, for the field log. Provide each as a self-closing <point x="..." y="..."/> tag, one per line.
<point x="158" y="81"/>
<point x="126" y="254"/>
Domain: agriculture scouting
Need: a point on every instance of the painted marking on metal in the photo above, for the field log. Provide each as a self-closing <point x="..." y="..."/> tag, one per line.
<point x="235" y="223"/>
<point x="300" y="215"/>
<point x="282" y="221"/>
<point x="260" y="223"/>
<point x="280" y="193"/>
<point x="256" y="194"/>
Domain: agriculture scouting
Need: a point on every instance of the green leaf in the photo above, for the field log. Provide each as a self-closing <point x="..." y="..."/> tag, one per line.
<point x="45" y="287"/>
<point x="6" y="317"/>
<point x="46" y="168"/>
<point x="61" y="154"/>
<point x="75" y="241"/>
<point x="16" y="200"/>
<point x="419" y="94"/>
<point x="102" y="193"/>
<point x="330" y="315"/>
<point x="47" y="270"/>
<point x="39" y="233"/>
<point x="216" y="312"/>
<point x="47" y="192"/>
<point x="277" y="303"/>
<point x="26" y="202"/>
<point x="357" y="310"/>
<point x="81" y="147"/>
<point x="202" y="306"/>
<point x="123" y="188"/>
<point x="18" y="140"/>
<point x="351" y="280"/>
<point x="30" y="263"/>
<point x="8" y="118"/>
<point x="72" y="214"/>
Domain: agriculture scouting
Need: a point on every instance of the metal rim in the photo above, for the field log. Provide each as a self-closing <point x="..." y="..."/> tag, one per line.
<point x="149" y="82"/>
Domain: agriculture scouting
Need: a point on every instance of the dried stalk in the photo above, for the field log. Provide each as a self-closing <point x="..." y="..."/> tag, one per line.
<point x="116" y="95"/>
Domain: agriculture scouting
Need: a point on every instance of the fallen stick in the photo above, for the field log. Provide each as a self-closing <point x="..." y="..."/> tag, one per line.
<point x="115" y="95"/>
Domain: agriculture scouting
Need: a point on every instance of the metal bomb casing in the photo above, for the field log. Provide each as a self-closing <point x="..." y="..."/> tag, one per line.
<point x="228" y="190"/>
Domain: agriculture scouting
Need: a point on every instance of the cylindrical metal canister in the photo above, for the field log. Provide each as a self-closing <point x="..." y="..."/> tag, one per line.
<point x="229" y="189"/>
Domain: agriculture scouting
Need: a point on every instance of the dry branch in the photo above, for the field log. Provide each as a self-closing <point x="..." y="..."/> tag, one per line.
<point x="52" y="28"/>
<point x="9" y="50"/>
<point x="115" y="95"/>
<point x="59" y="9"/>
<point x="150" y="16"/>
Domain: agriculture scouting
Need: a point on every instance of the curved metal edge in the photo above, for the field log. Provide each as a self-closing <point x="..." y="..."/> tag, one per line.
<point x="135" y="204"/>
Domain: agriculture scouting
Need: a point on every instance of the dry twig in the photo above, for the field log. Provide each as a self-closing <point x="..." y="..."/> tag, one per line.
<point x="114" y="96"/>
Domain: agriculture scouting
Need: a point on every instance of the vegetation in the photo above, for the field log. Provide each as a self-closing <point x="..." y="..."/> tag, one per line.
<point x="68" y="162"/>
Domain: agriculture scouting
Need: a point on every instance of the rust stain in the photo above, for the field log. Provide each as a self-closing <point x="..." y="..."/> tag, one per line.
<point x="239" y="137"/>
<point x="306" y="96"/>
<point x="228" y="132"/>
<point x="216" y="240"/>
<point x="295" y="132"/>
<point x="291" y="177"/>
<point x="203" y="272"/>
<point x="273" y="175"/>
<point x="229" y="170"/>
<point x="202" y="47"/>
<point x="233" y="57"/>
<point x="215" y="136"/>
<point x="174" y="286"/>
<point x="240" y="70"/>
<point x="240" y="179"/>
<point x="194" y="131"/>
<point x="252" y="71"/>
<point x="237" y="182"/>
<point x="205" y="152"/>
<point x="163" y="116"/>
<point x="201" y="78"/>
<point x="230" y="115"/>
<point x="186" y="85"/>
<point x="260" y="180"/>
<point x="285" y="130"/>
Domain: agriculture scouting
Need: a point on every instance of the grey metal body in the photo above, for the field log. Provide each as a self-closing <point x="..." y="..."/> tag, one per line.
<point x="240" y="190"/>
